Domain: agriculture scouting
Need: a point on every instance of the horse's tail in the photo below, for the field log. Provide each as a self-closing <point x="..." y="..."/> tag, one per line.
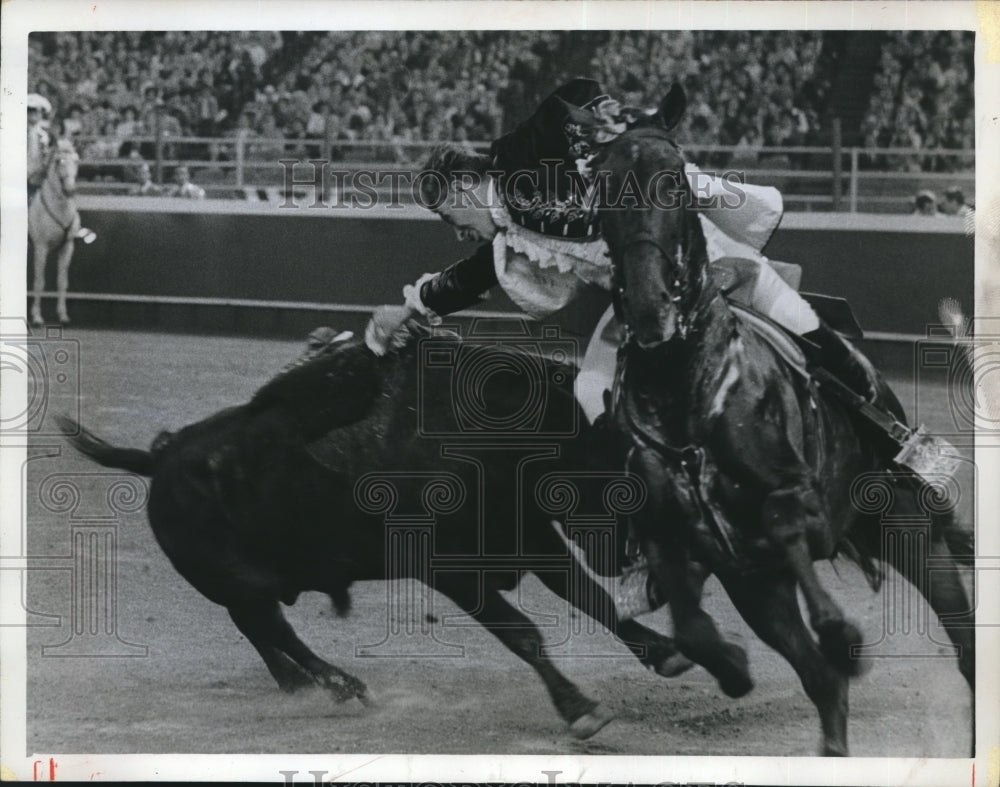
<point x="961" y="541"/>
<point x="105" y="454"/>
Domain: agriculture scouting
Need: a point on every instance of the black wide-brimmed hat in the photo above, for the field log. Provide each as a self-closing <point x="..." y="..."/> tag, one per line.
<point x="542" y="138"/>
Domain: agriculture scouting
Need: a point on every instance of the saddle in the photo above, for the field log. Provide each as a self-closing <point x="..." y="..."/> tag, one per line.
<point x="915" y="449"/>
<point x="779" y="339"/>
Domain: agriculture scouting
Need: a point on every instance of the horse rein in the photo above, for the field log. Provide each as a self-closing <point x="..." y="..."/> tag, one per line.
<point x="690" y="458"/>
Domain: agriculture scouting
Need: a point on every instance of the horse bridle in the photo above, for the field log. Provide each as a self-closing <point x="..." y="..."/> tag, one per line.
<point x="678" y="289"/>
<point x="56" y="158"/>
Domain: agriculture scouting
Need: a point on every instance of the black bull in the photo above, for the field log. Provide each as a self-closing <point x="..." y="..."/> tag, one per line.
<point x="289" y="493"/>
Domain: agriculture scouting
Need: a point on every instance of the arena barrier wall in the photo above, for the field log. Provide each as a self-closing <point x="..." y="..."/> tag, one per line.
<point x="169" y="254"/>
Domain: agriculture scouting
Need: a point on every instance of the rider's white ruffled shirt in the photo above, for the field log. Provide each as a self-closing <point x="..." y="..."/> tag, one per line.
<point x="542" y="274"/>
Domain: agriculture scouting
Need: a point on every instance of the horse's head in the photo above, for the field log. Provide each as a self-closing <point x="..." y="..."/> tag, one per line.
<point x="656" y="244"/>
<point x="64" y="165"/>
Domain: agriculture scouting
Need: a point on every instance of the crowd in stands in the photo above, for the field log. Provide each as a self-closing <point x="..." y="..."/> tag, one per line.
<point x="299" y="94"/>
<point x="922" y="97"/>
<point x="744" y="88"/>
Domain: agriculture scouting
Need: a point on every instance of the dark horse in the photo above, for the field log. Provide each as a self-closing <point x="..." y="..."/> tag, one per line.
<point x="753" y="472"/>
<point x="294" y="490"/>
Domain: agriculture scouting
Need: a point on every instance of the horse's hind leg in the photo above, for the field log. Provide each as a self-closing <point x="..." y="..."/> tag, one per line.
<point x="40" y="253"/>
<point x="785" y="517"/>
<point x="654" y="650"/>
<point x="62" y="280"/>
<point x="521" y="636"/>
<point x="939" y="581"/>
<point x="771" y="608"/>
<point x="947" y="597"/>
<point x="263" y="623"/>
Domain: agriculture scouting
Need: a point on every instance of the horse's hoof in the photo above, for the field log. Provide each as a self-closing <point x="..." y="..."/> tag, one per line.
<point x="64" y="320"/>
<point x="672" y="666"/>
<point x="837" y="639"/>
<point x="367" y="699"/>
<point x="341" y="692"/>
<point x="37" y="321"/>
<point x="590" y="723"/>
<point x="736" y="686"/>
<point x="737" y="683"/>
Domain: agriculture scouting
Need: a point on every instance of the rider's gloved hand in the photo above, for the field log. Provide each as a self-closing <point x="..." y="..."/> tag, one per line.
<point x="385" y="329"/>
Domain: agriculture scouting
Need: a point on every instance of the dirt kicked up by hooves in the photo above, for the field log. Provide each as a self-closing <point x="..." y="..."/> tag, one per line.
<point x="590" y="723"/>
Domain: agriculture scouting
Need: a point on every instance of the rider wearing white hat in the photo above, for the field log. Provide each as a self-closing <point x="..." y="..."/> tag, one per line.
<point x="39" y="109"/>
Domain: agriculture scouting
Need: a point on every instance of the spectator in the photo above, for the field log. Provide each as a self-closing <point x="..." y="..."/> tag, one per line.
<point x="129" y="126"/>
<point x="925" y="203"/>
<point x="146" y="187"/>
<point x="954" y="203"/>
<point x="184" y="187"/>
<point x="133" y="170"/>
<point x="73" y="122"/>
<point x="316" y="125"/>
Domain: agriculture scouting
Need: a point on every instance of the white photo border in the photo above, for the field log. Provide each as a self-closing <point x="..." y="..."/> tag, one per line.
<point x="20" y="17"/>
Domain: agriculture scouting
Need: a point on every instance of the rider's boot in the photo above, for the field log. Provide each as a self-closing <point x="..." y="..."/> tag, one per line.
<point x="833" y="353"/>
<point x="913" y="449"/>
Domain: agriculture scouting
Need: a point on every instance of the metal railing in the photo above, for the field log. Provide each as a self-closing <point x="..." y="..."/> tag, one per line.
<point x="810" y="177"/>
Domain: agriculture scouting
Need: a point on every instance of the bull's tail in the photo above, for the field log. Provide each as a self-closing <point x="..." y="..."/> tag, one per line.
<point x="86" y="442"/>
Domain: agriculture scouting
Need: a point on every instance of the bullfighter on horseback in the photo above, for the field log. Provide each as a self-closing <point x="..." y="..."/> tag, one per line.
<point x="542" y="248"/>
<point x="38" y="141"/>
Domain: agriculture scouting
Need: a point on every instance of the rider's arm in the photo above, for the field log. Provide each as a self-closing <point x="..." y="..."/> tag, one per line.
<point x="457" y="287"/>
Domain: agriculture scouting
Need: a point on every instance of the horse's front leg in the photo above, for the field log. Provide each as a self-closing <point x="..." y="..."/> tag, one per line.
<point x="769" y="604"/>
<point x="62" y="280"/>
<point x="680" y="579"/>
<point x="40" y="253"/>
<point x="694" y="630"/>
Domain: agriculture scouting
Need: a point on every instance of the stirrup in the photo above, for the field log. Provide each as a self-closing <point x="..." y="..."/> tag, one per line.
<point x="632" y="590"/>
<point x="927" y="455"/>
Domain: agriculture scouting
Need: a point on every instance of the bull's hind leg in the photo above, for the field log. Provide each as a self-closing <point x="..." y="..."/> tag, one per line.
<point x="654" y="650"/>
<point x="583" y="715"/>
<point x="770" y="606"/>
<point x="265" y="626"/>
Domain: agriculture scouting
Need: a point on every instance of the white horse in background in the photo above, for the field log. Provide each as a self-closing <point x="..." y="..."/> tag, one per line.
<point x="54" y="224"/>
